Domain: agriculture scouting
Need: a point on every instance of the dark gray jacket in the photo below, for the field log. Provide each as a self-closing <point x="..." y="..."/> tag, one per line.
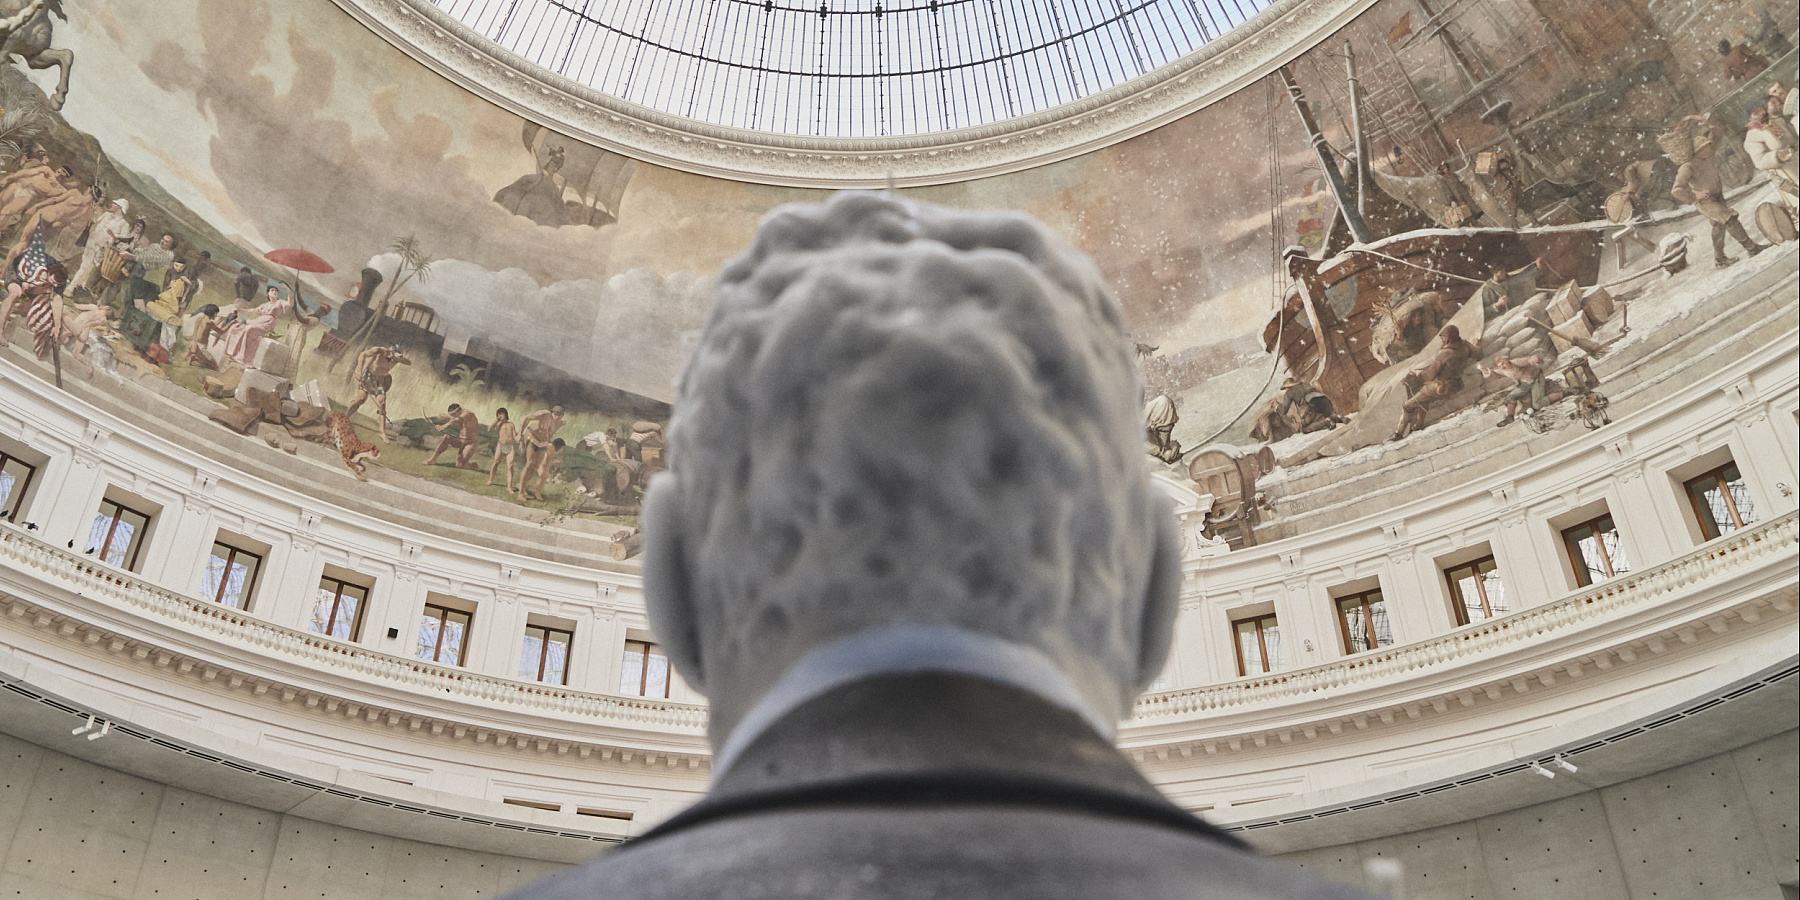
<point x="932" y="786"/>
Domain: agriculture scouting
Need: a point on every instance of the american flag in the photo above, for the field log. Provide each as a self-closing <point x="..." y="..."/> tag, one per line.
<point x="33" y="266"/>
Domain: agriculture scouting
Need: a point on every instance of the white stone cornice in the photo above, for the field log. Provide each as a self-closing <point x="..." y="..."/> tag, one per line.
<point x="1602" y="626"/>
<point x="1212" y="72"/>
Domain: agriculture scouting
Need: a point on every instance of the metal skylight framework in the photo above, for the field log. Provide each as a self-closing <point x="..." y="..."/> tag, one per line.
<point x="851" y="68"/>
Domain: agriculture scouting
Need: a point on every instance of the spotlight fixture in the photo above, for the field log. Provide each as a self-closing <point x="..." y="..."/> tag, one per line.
<point x="1565" y="765"/>
<point x="1541" y="770"/>
<point x="79" y="729"/>
<point x="105" y="729"/>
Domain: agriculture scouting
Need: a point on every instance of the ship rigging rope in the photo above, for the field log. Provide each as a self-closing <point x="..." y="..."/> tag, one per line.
<point x="1416" y="265"/>
<point x="1274" y="158"/>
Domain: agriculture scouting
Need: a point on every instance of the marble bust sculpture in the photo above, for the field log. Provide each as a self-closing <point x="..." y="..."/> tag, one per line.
<point x="908" y="548"/>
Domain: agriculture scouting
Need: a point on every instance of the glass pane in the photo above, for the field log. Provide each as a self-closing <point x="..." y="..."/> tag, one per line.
<point x="556" y="657"/>
<point x="1378" y="620"/>
<point x="532" y="654"/>
<point x="102" y="524"/>
<point x="14" y="476"/>
<point x="1496" y="591"/>
<point x="631" y="675"/>
<point x="1468" y="593"/>
<point x="1249" y="650"/>
<point x="1357" y="626"/>
<point x="320" y="620"/>
<point x="216" y="564"/>
<point x="1615" y="551"/>
<point x="343" y="626"/>
<point x="456" y="628"/>
<point x="117" y="549"/>
<point x="1715" y="518"/>
<point x="1589" y="563"/>
<point x="1272" y="643"/>
<point x="658" y="677"/>
<point x="429" y="626"/>
<point x="1740" y="496"/>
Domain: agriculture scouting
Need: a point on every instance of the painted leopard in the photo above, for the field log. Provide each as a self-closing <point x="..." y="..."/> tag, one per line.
<point x="351" y="447"/>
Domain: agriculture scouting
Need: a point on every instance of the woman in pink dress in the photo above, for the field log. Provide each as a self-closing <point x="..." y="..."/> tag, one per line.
<point x="243" y="335"/>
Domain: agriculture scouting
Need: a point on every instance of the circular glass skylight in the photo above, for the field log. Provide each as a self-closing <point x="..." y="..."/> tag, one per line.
<point x="851" y="68"/>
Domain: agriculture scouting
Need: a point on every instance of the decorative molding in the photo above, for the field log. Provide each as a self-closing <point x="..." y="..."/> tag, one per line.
<point x="78" y="575"/>
<point x="1620" y="604"/>
<point x="1209" y="74"/>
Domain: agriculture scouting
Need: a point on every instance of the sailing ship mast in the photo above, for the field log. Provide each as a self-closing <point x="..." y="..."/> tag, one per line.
<point x="1347" y="208"/>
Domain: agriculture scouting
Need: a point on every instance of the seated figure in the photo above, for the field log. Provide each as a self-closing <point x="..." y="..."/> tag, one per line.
<point x="908" y="548"/>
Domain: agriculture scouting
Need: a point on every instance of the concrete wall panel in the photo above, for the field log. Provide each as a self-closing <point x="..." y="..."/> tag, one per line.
<point x="1771" y="773"/>
<point x="1690" y="832"/>
<point x="1558" y="849"/>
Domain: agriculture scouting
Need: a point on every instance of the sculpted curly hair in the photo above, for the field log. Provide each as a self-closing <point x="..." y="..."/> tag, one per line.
<point x="901" y="413"/>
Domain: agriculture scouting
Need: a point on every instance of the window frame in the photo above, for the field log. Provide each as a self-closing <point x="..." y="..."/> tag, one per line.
<point x="1262" y="644"/>
<point x="1367" y="606"/>
<point x="249" y="583"/>
<point x="1710" y="527"/>
<point x="1578" y="560"/>
<point x="337" y="599"/>
<point x="134" y="544"/>
<point x="544" y="650"/>
<point x="650" y="648"/>
<point x="437" y="650"/>
<point x="16" y="499"/>
<point x="1459" y="603"/>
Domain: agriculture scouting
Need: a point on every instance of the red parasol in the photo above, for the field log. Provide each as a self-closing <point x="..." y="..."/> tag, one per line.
<point x="300" y="261"/>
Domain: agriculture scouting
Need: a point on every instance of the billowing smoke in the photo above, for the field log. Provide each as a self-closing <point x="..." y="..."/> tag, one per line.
<point x="632" y="331"/>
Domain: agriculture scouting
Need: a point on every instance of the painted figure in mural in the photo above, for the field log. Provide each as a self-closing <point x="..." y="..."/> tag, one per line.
<point x="82" y="331"/>
<point x="1531" y="387"/>
<point x="463" y="434"/>
<point x="35" y="181"/>
<point x="1160" y="417"/>
<point x="245" y="333"/>
<point x="539" y="430"/>
<point x="374" y="375"/>
<point x="1781" y="103"/>
<point x="1438" y="379"/>
<point x="142" y="259"/>
<point x="205" y="333"/>
<point x="506" y="443"/>
<point x="28" y="35"/>
<point x="1646" y="185"/>
<point x="171" y="303"/>
<point x="245" y="286"/>
<point x="110" y="226"/>
<point x="1772" y="148"/>
<point x="1741" y="62"/>
<point x="1408" y="323"/>
<point x="538" y="197"/>
<point x="55" y="215"/>
<point x="1699" y="182"/>
<point x="1300" y="408"/>
<point x="34" y="285"/>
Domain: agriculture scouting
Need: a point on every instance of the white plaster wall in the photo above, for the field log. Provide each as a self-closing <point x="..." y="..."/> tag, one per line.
<point x="1722" y="828"/>
<point x="71" y="830"/>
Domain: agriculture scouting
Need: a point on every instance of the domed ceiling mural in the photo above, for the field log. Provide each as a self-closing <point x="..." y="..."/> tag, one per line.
<point x="268" y="217"/>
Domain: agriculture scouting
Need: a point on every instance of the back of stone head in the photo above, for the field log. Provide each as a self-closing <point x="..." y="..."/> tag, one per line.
<point x="903" y="413"/>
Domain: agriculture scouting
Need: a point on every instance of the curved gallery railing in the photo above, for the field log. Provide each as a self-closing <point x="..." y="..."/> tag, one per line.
<point x="1690" y="597"/>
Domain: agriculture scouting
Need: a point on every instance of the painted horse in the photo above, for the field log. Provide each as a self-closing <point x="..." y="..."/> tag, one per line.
<point x="27" y="34"/>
